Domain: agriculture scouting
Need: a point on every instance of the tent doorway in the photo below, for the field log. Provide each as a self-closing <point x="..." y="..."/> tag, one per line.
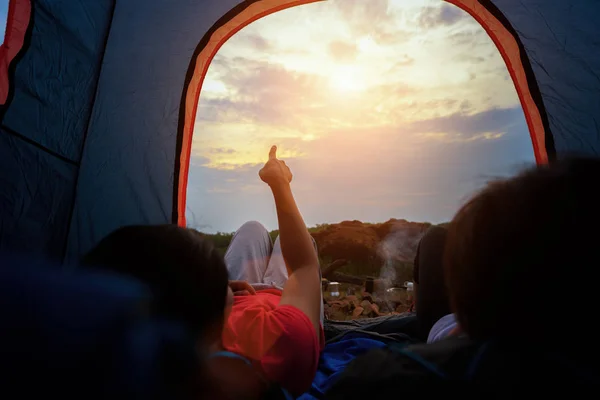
<point x="384" y="111"/>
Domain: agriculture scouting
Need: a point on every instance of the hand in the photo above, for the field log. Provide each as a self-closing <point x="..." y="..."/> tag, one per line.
<point x="241" y="288"/>
<point x="275" y="172"/>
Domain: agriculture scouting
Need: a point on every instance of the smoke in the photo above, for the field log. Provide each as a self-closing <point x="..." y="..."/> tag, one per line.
<point x="398" y="246"/>
<point x="194" y="223"/>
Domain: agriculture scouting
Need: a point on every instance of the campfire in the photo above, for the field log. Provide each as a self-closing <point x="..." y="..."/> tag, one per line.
<point x="350" y="297"/>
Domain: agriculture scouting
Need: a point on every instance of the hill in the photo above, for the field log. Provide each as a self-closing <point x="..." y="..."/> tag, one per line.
<point x="384" y="250"/>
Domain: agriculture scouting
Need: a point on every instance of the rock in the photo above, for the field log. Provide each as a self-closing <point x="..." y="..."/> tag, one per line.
<point x="357" y="312"/>
<point x="346" y="305"/>
<point x="337" y="312"/>
<point x="383" y="306"/>
<point x="327" y="311"/>
<point x="351" y="298"/>
<point x="401" y="308"/>
<point x="366" y="306"/>
<point x="375" y="309"/>
<point x="377" y="298"/>
<point x="340" y="305"/>
<point x="354" y="301"/>
<point x="386" y="250"/>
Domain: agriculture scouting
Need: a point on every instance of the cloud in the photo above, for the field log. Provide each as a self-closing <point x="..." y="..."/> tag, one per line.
<point x="257" y="42"/>
<point x="470" y="58"/>
<point x="221" y="150"/>
<point x="374" y="18"/>
<point x="372" y="12"/>
<point x="268" y="94"/>
<point x="199" y="161"/>
<point x="342" y="51"/>
<point x="444" y="15"/>
<point x="473" y="39"/>
<point x="465" y="106"/>
<point x="405" y="61"/>
<point x="490" y="124"/>
<point x="260" y="92"/>
<point x="269" y="103"/>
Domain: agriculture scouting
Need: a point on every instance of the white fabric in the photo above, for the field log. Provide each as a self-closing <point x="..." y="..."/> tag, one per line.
<point x="252" y="257"/>
<point x="442" y="328"/>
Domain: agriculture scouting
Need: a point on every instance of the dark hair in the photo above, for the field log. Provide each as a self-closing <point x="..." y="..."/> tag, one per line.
<point x="523" y="253"/>
<point x="186" y="274"/>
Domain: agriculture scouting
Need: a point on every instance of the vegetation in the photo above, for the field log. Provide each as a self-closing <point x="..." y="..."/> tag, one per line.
<point x="221" y="240"/>
<point x="401" y="271"/>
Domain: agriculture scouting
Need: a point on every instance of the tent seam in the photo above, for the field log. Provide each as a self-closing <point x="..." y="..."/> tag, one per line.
<point x="38" y="145"/>
<point x="534" y="89"/>
<point x="202" y="43"/>
<point x="85" y="135"/>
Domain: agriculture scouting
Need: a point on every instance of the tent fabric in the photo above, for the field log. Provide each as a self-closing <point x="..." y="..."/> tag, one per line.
<point x="511" y="50"/>
<point x="35" y="197"/>
<point x="52" y="84"/>
<point x="102" y="96"/>
<point x="128" y="170"/>
<point x="560" y="40"/>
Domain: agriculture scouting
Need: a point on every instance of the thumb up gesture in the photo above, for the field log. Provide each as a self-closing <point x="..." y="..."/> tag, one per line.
<point x="275" y="172"/>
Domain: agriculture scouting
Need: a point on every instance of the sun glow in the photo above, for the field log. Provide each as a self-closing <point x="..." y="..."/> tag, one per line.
<point x="366" y="44"/>
<point x="346" y="78"/>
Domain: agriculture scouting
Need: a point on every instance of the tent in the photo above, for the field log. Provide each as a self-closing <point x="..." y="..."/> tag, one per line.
<point x="98" y="100"/>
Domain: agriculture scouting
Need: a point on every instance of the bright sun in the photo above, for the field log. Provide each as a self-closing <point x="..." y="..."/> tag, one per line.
<point x="346" y="79"/>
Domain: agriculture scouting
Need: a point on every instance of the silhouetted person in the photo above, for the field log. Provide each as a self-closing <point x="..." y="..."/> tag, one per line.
<point x="509" y="253"/>
<point x="263" y="342"/>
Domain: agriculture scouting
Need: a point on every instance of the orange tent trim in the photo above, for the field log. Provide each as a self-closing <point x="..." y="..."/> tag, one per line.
<point x="252" y="10"/>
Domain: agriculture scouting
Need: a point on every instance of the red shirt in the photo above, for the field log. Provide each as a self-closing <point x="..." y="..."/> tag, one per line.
<point x="281" y="339"/>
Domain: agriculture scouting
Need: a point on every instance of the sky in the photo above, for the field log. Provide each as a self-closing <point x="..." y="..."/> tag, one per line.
<point x="382" y="109"/>
<point x="3" y="12"/>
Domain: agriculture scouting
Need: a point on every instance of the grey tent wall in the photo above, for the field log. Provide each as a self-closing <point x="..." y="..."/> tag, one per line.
<point x="562" y="42"/>
<point x="127" y="171"/>
<point x="44" y="123"/>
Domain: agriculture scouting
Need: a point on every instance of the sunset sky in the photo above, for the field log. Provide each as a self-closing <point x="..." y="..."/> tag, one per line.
<point x="382" y="109"/>
<point x="3" y="12"/>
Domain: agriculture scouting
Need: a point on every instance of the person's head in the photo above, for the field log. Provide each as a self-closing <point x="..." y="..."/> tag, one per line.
<point x="186" y="274"/>
<point x="522" y="254"/>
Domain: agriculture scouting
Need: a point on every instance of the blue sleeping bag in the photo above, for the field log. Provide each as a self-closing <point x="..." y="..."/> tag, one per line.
<point x="85" y="335"/>
<point x="344" y="347"/>
<point x="341" y="351"/>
